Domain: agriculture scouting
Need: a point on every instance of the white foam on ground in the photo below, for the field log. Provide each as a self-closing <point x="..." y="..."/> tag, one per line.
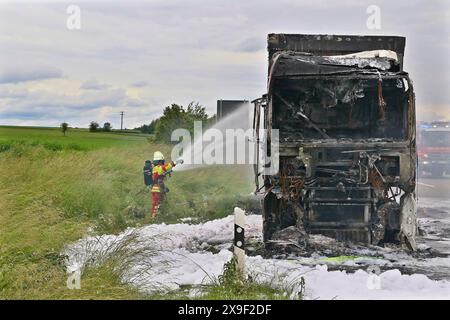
<point x="170" y="256"/>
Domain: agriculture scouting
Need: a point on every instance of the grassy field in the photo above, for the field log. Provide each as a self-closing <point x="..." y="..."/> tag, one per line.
<point x="52" y="139"/>
<point x="55" y="188"/>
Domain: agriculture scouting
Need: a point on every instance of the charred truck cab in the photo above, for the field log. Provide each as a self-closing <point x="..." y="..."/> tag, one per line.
<point x="345" y="112"/>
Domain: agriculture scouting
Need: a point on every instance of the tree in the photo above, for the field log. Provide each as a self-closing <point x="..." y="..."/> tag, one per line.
<point x="64" y="128"/>
<point x="195" y="112"/>
<point x="175" y="117"/>
<point x="148" y="128"/>
<point x="93" y="126"/>
<point x="107" y="127"/>
<point x="152" y="126"/>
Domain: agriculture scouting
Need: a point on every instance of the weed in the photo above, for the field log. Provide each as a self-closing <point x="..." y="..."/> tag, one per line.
<point x="231" y="285"/>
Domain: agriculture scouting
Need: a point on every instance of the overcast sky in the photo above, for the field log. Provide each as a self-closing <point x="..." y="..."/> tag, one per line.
<point x="140" y="56"/>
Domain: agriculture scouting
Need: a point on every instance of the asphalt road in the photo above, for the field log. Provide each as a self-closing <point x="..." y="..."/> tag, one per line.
<point x="434" y="188"/>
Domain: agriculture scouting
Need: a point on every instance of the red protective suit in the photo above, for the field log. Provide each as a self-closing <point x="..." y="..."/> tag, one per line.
<point x="158" y="174"/>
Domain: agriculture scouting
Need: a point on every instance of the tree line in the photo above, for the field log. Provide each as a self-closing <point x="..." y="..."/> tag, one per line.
<point x="174" y="117"/>
<point x="93" y="127"/>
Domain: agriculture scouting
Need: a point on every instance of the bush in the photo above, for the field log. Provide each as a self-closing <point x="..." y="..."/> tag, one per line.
<point x="107" y="127"/>
<point x="93" y="126"/>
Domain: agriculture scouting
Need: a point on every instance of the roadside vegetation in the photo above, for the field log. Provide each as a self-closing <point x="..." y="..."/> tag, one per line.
<point x="55" y="189"/>
<point x="231" y="286"/>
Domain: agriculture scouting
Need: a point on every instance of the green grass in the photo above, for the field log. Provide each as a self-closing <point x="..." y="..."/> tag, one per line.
<point x="51" y="193"/>
<point x="227" y="291"/>
<point x="205" y="194"/>
<point x="52" y="139"/>
<point x="230" y="285"/>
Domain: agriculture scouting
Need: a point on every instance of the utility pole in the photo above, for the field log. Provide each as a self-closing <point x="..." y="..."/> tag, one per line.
<point x="121" y="120"/>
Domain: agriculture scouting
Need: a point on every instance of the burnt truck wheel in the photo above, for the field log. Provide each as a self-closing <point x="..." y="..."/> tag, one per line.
<point x="386" y="225"/>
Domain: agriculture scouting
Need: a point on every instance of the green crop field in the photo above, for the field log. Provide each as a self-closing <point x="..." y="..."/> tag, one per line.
<point x="55" y="188"/>
<point x="76" y="139"/>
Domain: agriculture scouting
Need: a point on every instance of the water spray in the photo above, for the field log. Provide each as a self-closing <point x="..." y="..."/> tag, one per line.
<point x="200" y="149"/>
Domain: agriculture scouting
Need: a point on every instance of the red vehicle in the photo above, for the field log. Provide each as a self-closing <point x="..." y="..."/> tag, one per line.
<point x="434" y="149"/>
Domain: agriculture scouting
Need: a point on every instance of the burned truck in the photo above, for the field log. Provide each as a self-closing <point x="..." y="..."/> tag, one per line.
<point x="345" y="114"/>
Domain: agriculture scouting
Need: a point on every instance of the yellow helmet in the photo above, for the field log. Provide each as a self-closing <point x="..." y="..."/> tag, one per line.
<point x="157" y="156"/>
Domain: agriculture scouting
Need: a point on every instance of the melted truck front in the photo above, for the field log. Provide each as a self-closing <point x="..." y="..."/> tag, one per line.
<point x="345" y="114"/>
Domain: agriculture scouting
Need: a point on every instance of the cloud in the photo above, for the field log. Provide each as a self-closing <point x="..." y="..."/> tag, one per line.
<point x="135" y="103"/>
<point x="197" y="51"/>
<point x="139" y="84"/>
<point x="24" y="115"/>
<point x="78" y="107"/>
<point x="23" y="74"/>
<point x="94" y="85"/>
<point x="252" y="44"/>
<point x="12" y="92"/>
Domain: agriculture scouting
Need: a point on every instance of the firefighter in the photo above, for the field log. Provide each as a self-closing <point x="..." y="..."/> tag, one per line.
<point x="160" y="170"/>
